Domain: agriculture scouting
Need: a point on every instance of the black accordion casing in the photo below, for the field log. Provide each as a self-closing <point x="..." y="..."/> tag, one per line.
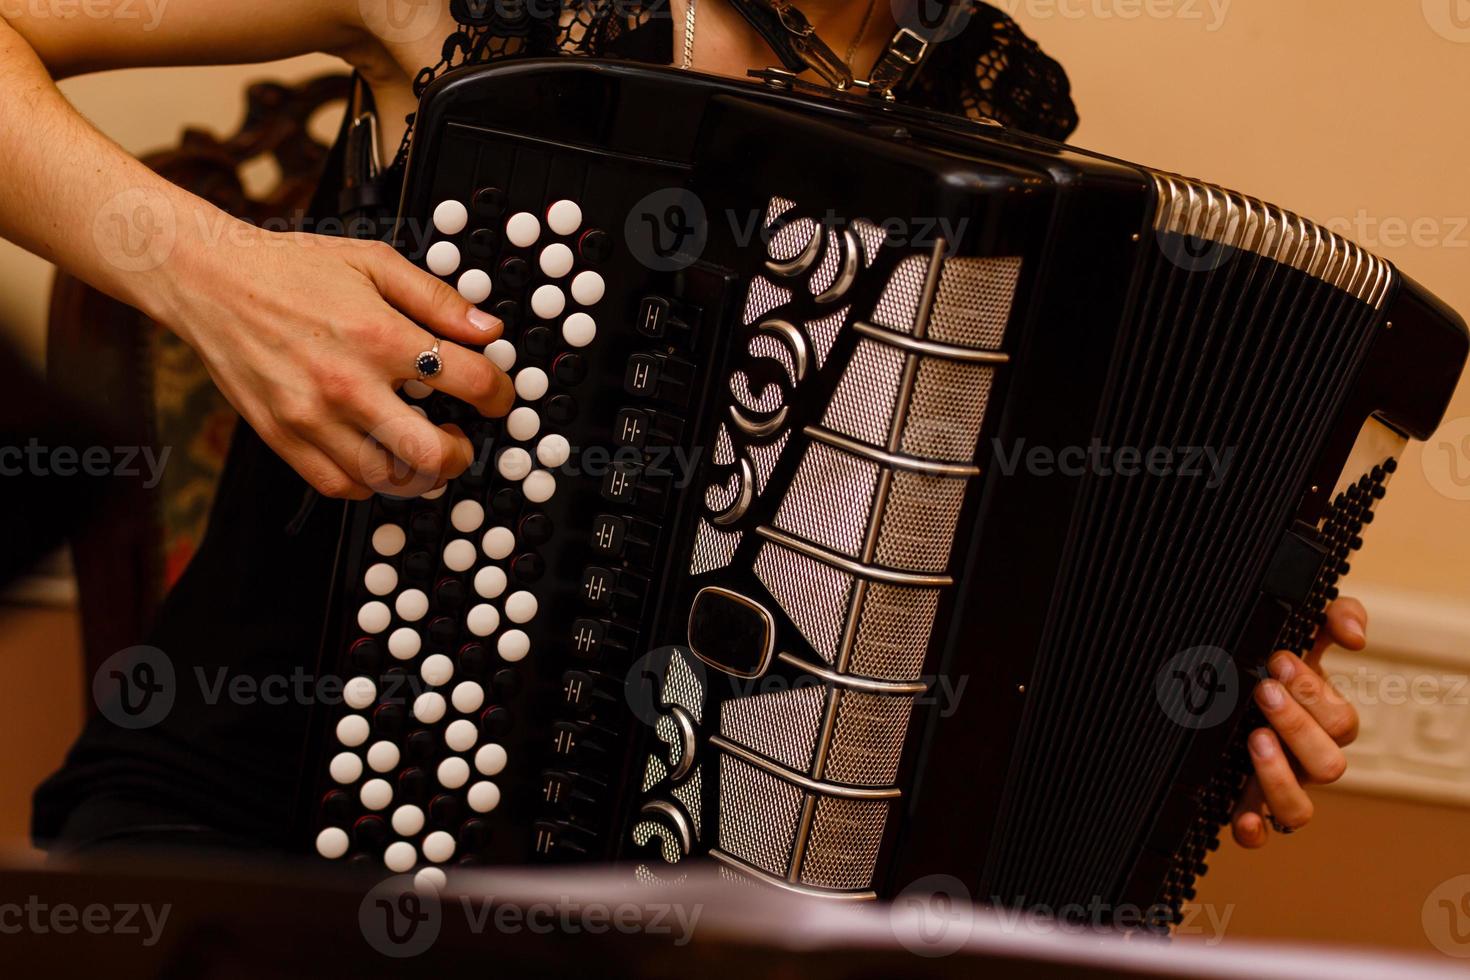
<point x="908" y="555"/>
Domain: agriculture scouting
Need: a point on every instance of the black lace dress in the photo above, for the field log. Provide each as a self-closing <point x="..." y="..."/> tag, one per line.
<point x="242" y="626"/>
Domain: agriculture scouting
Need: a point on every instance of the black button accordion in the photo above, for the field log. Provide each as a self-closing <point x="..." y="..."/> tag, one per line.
<point x="887" y="495"/>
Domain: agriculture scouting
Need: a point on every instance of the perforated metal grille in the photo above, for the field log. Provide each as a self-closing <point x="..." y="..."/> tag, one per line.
<point x="830" y="499"/>
<point x="814" y="595"/>
<point x="765" y="401"/>
<point x="868" y="739"/>
<point x="842" y="848"/>
<point x="713" y="548"/>
<point x="780" y="725"/>
<point x="862" y="405"/>
<point x="690" y="793"/>
<point x="668" y="848"/>
<point x="898" y="307"/>
<point x="787" y="242"/>
<point x="767" y="345"/>
<point x="826" y="271"/>
<point x="919" y="520"/>
<point x="758" y="815"/>
<point x="719" y="496"/>
<point x="893" y="632"/>
<point x="682" y="686"/>
<point x="765" y="456"/>
<point x="823" y="333"/>
<point x="946" y="410"/>
<point x="973" y="301"/>
<point x="724" y="453"/>
<point x="776" y="207"/>
<point x="654" y="773"/>
<point x="763" y="297"/>
<point x="872" y="238"/>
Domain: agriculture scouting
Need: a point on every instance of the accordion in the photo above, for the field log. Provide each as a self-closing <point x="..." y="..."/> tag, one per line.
<point x="888" y="495"/>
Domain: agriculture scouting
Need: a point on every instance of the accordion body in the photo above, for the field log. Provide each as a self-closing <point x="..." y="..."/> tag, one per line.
<point x="935" y="496"/>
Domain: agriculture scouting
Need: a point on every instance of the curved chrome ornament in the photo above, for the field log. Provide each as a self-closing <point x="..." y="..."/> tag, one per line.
<point x="758" y="430"/>
<point x="803" y="261"/>
<point x="737" y="510"/>
<point x="852" y="260"/>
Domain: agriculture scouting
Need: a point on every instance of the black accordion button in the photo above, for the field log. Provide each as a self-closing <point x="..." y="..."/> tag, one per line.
<point x="509" y="312"/>
<point x="443" y="631"/>
<point x="538" y="342"/>
<point x="489" y="202"/>
<point x="419" y="746"/>
<point x="370" y="833"/>
<point x="506" y="503"/>
<point x="494" y="721"/>
<point x="474" y="834"/>
<point x="426" y="526"/>
<point x="569" y="369"/>
<point x="507" y="681"/>
<point x="365" y="657"/>
<point x="336" y="807"/>
<point x="418" y="567"/>
<point x="534" y="529"/>
<point x="513" y="273"/>
<point x="594" y="246"/>
<point x="444" y="811"/>
<point x="472" y="660"/>
<point x="561" y="409"/>
<point x="484" y="243"/>
<point x="528" y="568"/>
<point x="413" y="785"/>
<point x="450" y="594"/>
<point x="388" y="721"/>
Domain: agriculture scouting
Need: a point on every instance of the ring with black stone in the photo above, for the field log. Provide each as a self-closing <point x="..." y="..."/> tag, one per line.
<point x="429" y="363"/>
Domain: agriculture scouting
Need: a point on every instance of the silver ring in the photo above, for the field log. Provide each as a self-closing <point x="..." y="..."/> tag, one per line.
<point x="429" y="363"/>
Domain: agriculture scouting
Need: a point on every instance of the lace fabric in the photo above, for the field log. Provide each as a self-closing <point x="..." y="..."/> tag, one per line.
<point x="992" y="69"/>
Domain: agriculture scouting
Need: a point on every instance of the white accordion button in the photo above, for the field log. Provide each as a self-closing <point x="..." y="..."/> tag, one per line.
<point x="408" y="820"/>
<point x="450" y="217"/>
<point x="467" y="697"/>
<point x="523" y="423"/>
<point x="331" y="843"/>
<point x="404" y="643"/>
<point x="412" y="604"/>
<point x="439" y="846"/>
<point x="553" y="451"/>
<point x="454" y="772"/>
<point x="579" y="329"/>
<point x="388" y="540"/>
<point x="490" y="582"/>
<point x="415" y="388"/>
<point x="400" y="856"/>
<point x="539" y="487"/>
<point x="484" y="796"/>
<point x="437" y="669"/>
<point x="376" y="794"/>
<point x="380" y="579"/>
<point x="459" y="555"/>
<point x="483" y="619"/>
<point x="502" y="354"/>
<point x="443" y="258"/>
<point x="420" y="410"/>
<point x="564" y="217"/>
<point x="374" y="617"/>
<point x="513" y="464"/>
<point x="498" y="541"/>
<point x="467" y="516"/>
<point x="520" y="607"/>
<point x="359" y="693"/>
<point x="522" y="229"/>
<point x="587" y="287"/>
<point x="382" y="756"/>
<point x="531" y="383"/>
<point x="548" y="301"/>
<point x="435" y="493"/>
<point x="556" y="260"/>
<point x="460" y="735"/>
<point x="352" y="731"/>
<point x="345" y="767"/>
<point x="490" y="759"/>
<point x="474" y="285"/>
<point x="429" y="707"/>
<point x="513" y="645"/>
<point x="430" y="879"/>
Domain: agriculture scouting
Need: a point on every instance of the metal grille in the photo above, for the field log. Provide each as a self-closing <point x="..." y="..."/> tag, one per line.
<point x="668" y="848"/>
<point x="898" y="307"/>
<point x="973" y="301"/>
<point x="690" y="794"/>
<point x="713" y="548"/>
<point x="768" y="400"/>
<point x="872" y="238"/>
<point x="826" y="271"/>
<point x="780" y="725"/>
<point x="823" y="333"/>
<point x="893" y="632"/>
<point x="842" y="848"/>
<point x="764" y="456"/>
<point x="766" y="345"/>
<point x="814" y="595"/>
<point x="758" y="815"/>
<point x="919" y="518"/>
<point x="654" y="773"/>
<point x="763" y="297"/>
<point x="787" y="243"/>
<point x="862" y="405"/>
<point x="776" y="207"/>
<point x="946" y="410"/>
<point x="724" y="454"/>
<point x="830" y="499"/>
<point x="683" y="687"/>
<point x="868" y="739"/>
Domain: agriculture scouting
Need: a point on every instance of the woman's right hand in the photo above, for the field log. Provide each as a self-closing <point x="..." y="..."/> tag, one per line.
<point x="310" y="336"/>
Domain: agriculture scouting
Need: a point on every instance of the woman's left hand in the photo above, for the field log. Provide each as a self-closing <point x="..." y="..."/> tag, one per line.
<point x="1310" y="723"/>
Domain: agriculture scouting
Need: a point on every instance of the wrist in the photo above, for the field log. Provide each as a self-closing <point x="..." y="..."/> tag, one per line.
<point x="189" y="250"/>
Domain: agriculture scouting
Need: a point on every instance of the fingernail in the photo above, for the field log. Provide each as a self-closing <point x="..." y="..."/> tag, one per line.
<point x="1261" y="745"/>
<point x="1354" y="629"/>
<point x="1272" y="694"/>
<point x="481" y="320"/>
<point x="1283" y="666"/>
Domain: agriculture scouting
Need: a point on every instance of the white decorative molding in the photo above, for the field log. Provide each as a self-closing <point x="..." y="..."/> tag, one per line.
<point x="1412" y="690"/>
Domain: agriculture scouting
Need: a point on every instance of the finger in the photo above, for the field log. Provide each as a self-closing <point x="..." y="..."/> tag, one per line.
<point x="1248" y="825"/>
<point x="1346" y="625"/>
<point x="319" y="469"/>
<point x="403" y="454"/>
<point x="1334" y="713"/>
<point x="467" y="375"/>
<point x="1284" y="796"/>
<point x="429" y="300"/>
<point x="1319" y="756"/>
